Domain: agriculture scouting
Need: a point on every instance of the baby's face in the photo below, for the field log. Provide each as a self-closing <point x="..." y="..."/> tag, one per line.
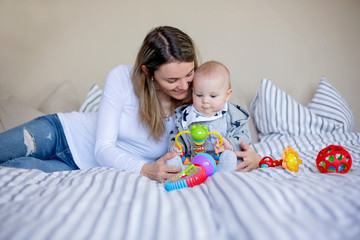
<point x="210" y="94"/>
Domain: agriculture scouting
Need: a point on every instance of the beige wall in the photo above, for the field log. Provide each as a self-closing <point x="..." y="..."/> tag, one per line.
<point x="292" y="43"/>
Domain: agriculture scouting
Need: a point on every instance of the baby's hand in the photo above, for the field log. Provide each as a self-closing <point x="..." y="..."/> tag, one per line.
<point x="175" y="149"/>
<point x="225" y="145"/>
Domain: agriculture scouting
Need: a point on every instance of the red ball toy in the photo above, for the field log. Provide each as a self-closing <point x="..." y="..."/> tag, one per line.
<point x="333" y="158"/>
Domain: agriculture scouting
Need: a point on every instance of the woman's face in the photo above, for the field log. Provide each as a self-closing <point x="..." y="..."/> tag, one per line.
<point x="174" y="78"/>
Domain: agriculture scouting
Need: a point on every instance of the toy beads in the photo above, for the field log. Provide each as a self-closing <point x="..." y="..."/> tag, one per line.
<point x="198" y="149"/>
<point x="203" y="166"/>
<point x="334" y="159"/>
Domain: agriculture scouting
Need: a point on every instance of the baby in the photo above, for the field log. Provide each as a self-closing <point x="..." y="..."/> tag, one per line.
<point x="211" y="92"/>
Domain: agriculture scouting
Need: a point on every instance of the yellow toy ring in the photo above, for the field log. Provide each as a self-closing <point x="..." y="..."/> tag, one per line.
<point x="217" y="134"/>
<point x="177" y="137"/>
<point x="186" y="131"/>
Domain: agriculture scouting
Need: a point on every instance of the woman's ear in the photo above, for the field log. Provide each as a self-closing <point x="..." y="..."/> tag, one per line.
<point x="145" y="69"/>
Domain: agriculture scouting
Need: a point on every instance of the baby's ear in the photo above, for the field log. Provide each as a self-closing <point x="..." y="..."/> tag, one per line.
<point x="228" y="94"/>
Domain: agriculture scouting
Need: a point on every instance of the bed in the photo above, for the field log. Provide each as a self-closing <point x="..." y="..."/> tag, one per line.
<point x="267" y="203"/>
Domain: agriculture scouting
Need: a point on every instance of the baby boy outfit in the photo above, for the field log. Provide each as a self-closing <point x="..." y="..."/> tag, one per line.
<point x="230" y="123"/>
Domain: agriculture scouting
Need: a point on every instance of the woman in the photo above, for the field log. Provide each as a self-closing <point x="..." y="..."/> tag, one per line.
<point x="131" y="128"/>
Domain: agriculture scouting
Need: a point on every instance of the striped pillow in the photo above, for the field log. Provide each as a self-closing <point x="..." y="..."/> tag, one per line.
<point x="92" y="100"/>
<point x="277" y="114"/>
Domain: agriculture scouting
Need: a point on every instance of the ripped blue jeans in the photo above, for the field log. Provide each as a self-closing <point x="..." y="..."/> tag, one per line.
<point x="38" y="144"/>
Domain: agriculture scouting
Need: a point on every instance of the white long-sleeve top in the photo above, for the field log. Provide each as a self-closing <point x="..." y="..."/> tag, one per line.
<point x="114" y="137"/>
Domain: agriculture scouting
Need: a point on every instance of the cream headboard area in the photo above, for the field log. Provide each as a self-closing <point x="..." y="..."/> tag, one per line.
<point x="44" y="44"/>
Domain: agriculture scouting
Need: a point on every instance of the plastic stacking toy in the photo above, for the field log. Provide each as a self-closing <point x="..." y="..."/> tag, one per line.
<point x="198" y="134"/>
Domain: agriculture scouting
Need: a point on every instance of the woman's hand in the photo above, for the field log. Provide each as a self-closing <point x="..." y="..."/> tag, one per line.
<point x="250" y="158"/>
<point x="158" y="171"/>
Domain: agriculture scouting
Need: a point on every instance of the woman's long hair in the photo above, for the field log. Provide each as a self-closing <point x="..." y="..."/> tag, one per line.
<point x="161" y="45"/>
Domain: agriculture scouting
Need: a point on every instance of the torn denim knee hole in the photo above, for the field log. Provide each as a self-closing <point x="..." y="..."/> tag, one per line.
<point x="29" y="142"/>
<point x="49" y="136"/>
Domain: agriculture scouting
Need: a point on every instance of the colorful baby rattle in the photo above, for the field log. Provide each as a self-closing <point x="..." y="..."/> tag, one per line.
<point x="290" y="160"/>
<point x="198" y="133"/>
<point x="202" y="167"/>
<point x="333" y="159"/>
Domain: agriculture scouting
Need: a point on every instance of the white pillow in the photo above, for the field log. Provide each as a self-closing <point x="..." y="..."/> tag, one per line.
<point x="63" y="99"/>
<point x="92" y="100"/>
<point x="330" y="104"/>
<point x="14" y="112"/>
<point x="277" y="114"/>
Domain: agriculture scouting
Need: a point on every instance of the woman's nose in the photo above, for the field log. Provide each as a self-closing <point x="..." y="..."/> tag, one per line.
<point x="184" y="84"/>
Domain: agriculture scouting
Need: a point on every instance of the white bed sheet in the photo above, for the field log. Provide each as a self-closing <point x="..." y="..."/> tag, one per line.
<point x="272" y="203"/>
